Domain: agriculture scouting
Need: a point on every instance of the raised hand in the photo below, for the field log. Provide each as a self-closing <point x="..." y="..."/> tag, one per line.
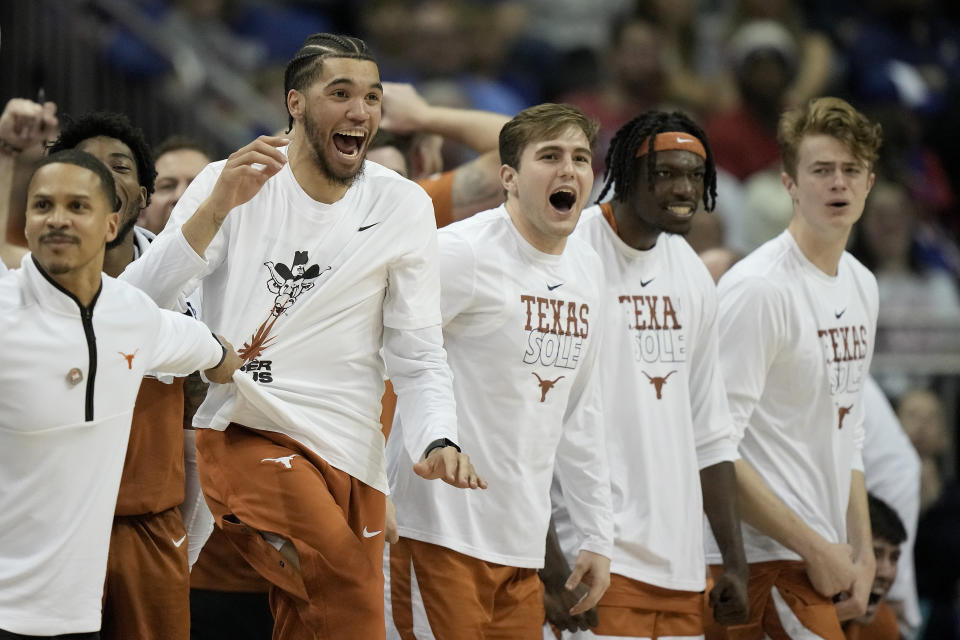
<point x="246" y="171"/>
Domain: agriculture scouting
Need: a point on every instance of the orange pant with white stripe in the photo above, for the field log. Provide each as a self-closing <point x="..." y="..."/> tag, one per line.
<point x="783" y="606"/>
<point x="260" y="481"/>
<point x="437" y="593"/>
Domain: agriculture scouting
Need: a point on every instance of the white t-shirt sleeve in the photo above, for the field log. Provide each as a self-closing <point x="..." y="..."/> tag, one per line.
<point x="183" y="345"/>
<point x="417" y="366"/>
<point x="712" y="424"/>
<point x="170" y="270"/>
<point x="581" y="460"/>
<point x="413" y="284"/>
<point x="458" y="275"/>
<point x="751" y="329"/>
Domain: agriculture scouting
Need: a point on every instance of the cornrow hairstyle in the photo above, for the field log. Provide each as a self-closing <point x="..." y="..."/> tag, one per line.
<point x="885" y="522"/>
<point x="110" y="125"/>
<point x="304" y="68"/>
<point x="86" y="161"/>
<point x="621" y="158"/>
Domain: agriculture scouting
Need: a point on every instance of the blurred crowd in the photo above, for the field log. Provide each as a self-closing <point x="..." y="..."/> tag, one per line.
<point x="734" y="65"/>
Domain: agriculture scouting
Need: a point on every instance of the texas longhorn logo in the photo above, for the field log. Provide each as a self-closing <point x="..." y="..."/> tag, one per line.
<point x="658" y="382"/>
<point x="546" y="385"/>
<point x="288" y="284"/>
<point x="842" y="412"/>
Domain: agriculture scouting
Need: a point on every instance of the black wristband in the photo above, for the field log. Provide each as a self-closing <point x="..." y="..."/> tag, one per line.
<point x="440" y="443"/>
<point x="223" y="356"/>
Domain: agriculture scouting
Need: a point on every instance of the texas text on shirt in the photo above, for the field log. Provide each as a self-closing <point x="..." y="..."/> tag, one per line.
<point x="665" y="408"/>
<point x="344" y="279"/>
<point x="64" y="422"/>
<point x="517" y="413"/>
<point x="795" y="347"/>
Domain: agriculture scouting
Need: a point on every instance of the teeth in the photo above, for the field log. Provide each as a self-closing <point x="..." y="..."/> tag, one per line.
<point x="681" y="210"/>
<point x="354" y="133"/>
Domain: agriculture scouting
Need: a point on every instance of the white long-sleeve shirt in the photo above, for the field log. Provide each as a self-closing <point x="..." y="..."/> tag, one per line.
<point x="795" y="349"/>
<point x="312" y="292"/>
<point x="892" y="470"/>
<point x="522" y="331"/>
<point x="665" y="407"/>
<point x="70" y="378"/>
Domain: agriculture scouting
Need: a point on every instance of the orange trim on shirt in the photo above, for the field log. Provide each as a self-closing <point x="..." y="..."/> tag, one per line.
<point x="607" y="209"/>
<point x="440" y="190"/>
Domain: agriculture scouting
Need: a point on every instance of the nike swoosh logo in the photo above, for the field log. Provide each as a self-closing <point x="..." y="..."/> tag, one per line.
<point x="643" y="284"/>
<point x="551" y="288"/>
<point x="370" y="534"/>
<point x="683" y="140"/>
<point x="367" y="226"/>
<point x="839" y="313"/>
<point x="179" y="542"/>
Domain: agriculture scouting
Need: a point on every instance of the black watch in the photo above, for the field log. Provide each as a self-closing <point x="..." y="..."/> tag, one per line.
<point x="440" y="443"/>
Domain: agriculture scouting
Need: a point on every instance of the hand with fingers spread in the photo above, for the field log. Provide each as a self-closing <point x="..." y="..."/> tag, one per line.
<point x="24" y="124"/>
<point x="592" y="569"/>
<point x="245" y="173"/>
<point x="451" y="466"/>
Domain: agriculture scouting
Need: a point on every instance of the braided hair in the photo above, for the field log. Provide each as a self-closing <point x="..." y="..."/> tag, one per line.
<point x="621" y="156"/>
<point x="304" y="68"/>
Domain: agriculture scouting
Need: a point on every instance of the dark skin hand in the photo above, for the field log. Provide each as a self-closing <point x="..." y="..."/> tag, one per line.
<point x="728" y="598"/>
<point x="557" y="599"/>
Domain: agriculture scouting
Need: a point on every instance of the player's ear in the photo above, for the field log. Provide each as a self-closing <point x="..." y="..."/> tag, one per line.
<point x="508" y="178"/>
<point x="790" y="184"/>
<point x="296" y="103"/>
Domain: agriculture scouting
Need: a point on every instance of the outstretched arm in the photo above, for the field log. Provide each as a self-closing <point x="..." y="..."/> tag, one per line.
<point x="405" y="111"/>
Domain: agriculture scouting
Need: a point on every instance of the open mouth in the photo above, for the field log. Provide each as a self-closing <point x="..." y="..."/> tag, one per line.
<point x="682" y="210"/>
<point x="349" y="142"/>
<point x="563" y="200"/>
<point x="838" y="204"/>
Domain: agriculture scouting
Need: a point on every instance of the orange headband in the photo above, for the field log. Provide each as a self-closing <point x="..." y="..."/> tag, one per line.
<point x="668" y="140"/>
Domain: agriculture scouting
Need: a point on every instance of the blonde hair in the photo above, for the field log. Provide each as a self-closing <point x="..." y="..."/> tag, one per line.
<point x="833" y="117"/>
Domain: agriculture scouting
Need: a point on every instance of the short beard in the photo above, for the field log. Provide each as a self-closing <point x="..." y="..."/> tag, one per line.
<point x="123" y="232"/>
<point x="310" y="129"/>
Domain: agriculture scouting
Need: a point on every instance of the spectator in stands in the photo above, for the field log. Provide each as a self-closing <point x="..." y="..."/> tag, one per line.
<point x="179" y="160"/>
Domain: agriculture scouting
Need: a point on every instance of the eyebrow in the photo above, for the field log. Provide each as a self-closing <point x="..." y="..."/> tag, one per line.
<point x="554" y="147"/>
<point x="120" y="154"/>
<point x="75" y="196"/>
<point x="349" y="81"/>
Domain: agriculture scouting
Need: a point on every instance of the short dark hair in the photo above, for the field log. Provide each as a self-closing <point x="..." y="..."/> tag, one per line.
<point x="86" y="161"/>
<point x="885" y="522"/>
<point x="110" y="125"/>
<point x="541" y="122"/>
<point x="304" y="68"/>
<point x="622" y="155"/>
<point x="179" y="142"/>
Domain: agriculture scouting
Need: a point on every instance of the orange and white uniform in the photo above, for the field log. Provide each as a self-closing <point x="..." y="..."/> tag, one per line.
<point x="795" y="349"/>
<point x="665" y="417"/>
<point x="311" y="293"/>
<point x="70" y="378"/>
<point x="522" y="331"/>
